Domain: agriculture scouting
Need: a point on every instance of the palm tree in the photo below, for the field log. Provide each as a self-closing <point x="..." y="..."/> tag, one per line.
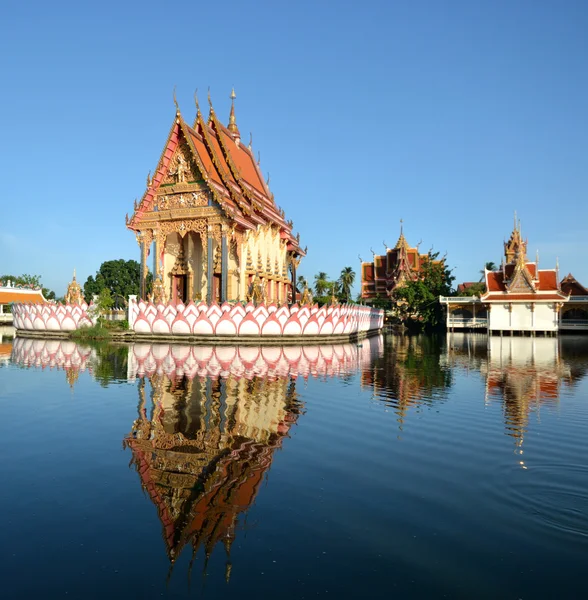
<point x="301" y="283"/>
<point x="346" y="280"/>
<point x="321" y="283"/>
<point x="489" y="266"/>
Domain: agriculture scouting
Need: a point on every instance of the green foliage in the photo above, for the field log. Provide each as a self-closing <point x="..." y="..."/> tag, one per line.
<point x="122" y="278"/>
<point x="416" y="303"/>
<point x="321" y="284"/>
<point x="346" y="280"/>
<point x="476" y="289"/>
<point x="105" y="301"/>
<point x="95" y="332"/>
<point x="111" y="363"/>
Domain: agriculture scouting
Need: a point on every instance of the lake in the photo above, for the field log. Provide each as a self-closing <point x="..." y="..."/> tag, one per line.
<point x="406" y="467"/>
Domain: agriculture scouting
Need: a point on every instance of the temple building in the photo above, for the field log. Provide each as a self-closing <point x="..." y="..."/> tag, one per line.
<point x="521" y="297"/>
<point x="216" y="230"/>
<point x="400" y="264"/>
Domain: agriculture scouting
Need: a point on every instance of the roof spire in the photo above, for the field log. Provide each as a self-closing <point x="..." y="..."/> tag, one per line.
<point x="210" y="104"/>
<point x="401" y="243"/>
<point x="196" y="101"/>
<point x="232" y="120"/>
<point x="515" y="220"/>
<point x="176" y="102"/>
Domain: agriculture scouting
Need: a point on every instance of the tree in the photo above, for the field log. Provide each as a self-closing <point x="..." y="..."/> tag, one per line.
<point x="476" y="289"/>
<point x="416" y="303"/>
<point x="122" y="278"/>
<point x="346" y="280"/>
<point x="321" y="284"/>
<point x="301" y="283"/>
<point x="489" y="266"/>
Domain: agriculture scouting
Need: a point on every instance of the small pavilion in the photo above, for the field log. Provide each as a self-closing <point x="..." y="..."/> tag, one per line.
<point x="9" y="293"/>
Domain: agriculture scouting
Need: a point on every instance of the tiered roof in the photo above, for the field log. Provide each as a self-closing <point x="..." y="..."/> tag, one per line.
<point x="400" y="264"/>
<point x="572" y="287"/>
<point x="229" y="170"/>
<point x="519" y="279"/>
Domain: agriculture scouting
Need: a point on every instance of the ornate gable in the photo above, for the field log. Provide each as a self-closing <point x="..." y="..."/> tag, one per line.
<point x="182" y="168"/>
<point x="521" y="281"/>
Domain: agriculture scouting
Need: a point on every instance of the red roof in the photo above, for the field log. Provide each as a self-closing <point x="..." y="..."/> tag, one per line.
<point x="547" y="282"/>
<point x="8" y="295"/>
<point x="570" y="285"/>
<point x="230" y="171"/>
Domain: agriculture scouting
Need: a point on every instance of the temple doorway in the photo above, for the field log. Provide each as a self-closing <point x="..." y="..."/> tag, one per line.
<point x="179" y="288"/>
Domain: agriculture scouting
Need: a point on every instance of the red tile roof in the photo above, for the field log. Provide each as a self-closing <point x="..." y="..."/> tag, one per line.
<point x="229" y="170"/>
<point x="8" y="295"/>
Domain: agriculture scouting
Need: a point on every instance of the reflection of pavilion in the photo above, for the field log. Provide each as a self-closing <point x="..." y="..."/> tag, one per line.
<point x="522" y="373"/>
<point x="409" y="373"/>
<point x="203" y="450"/>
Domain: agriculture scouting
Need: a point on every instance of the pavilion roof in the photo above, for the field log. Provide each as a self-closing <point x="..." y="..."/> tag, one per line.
<point x="15" y="294"/>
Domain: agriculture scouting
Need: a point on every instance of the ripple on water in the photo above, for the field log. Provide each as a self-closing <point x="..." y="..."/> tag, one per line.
<point x="552" y="495"/>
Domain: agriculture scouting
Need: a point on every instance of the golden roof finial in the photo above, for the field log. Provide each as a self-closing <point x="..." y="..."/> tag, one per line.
<point x="401" y="243"/>
<point x="232" y="120"/>
<point x="74" y="274"/>
<point x="196" y="101"/>
<point x="176" y="101"/>
<point x="209" y="100"/>
<point x="250" y="146"/>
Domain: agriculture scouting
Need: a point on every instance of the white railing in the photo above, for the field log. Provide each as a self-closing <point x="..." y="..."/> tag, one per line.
<point x="578" y="299"/>
<point x="573" y="323"/>
<point x="459" y="300"/>
<point x="468" y="322"/>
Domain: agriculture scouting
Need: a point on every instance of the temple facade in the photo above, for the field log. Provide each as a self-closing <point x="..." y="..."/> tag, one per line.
<point x="400" y="264"/>
<point x="521" y="297"/>
<point x="211" y="221"/>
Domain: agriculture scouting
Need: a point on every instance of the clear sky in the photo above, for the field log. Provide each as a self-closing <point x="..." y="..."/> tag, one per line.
<point x="448" y="114"/>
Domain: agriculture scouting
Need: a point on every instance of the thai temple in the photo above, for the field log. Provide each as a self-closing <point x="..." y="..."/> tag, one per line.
<point x="521" y="298"/>
<point x="211" y="221"/>
<point x="400" y="264"/>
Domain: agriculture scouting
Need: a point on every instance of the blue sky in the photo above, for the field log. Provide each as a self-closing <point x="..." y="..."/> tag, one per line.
<point x="447" y="114"/>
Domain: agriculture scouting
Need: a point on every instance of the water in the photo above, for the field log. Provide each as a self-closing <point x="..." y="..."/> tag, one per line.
<point x="408" y="467"/>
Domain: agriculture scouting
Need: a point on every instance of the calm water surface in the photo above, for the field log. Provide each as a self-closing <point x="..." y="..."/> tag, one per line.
<point x="405" y="467"/>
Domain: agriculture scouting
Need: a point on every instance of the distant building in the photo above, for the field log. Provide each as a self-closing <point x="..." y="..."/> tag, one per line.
<point x="521" y="297"/>
<point x="400" y="264"/>
<point x="9" y="293"/>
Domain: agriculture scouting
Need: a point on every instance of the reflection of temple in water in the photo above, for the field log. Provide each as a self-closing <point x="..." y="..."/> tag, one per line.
<point x="409" y="373"/>
<point x="201" y="448"/>
<point x="209" y="422"/>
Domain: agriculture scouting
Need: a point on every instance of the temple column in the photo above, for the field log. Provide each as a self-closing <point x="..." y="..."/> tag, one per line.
<point x="156" y="255"/>
<point x="143" y="247"/>
<point x="224" y="266"/>
<point x="209" y="267"/>
<point x="293" y="271"/>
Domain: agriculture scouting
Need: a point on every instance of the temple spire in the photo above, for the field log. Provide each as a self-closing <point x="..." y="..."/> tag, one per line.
<point x="401" y="243"/>
<point x="232" y="120"/>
